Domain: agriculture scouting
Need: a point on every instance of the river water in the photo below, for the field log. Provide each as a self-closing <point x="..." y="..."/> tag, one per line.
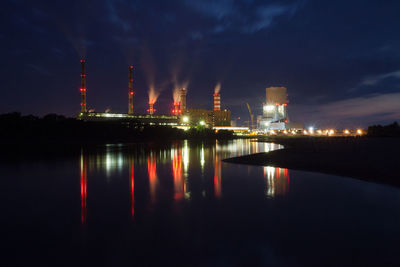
<point x="177" y="204"/>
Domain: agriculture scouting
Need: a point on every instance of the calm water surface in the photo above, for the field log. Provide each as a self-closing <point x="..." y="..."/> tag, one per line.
<point x="179" y="205"/>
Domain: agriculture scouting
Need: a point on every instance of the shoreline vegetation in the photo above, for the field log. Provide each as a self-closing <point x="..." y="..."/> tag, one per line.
<point x="24" y="137"/>
<point x="56" y="129"/>
<point x="374" y="159"/>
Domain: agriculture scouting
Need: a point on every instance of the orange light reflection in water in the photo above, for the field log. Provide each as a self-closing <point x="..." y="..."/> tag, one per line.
<point x="217" y="176"/>
<point x="179" y="186"/>
<point x="132" y="182"/>
<point x="83" y="189"/>
<point x="152" y="172"/>
<point x="277" y="181"/>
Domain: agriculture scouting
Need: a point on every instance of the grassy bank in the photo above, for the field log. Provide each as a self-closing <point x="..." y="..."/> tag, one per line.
<point x="370" y="159"/>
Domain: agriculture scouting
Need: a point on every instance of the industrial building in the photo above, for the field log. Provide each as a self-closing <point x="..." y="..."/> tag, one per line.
<point x="275" y="115"/>
<point x="146" y="119"/>
<point x="210" y="118"/>
<point x="181" y="115"/>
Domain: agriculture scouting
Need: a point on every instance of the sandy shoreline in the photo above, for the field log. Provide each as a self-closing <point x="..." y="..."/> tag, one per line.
<point x="370" y="159"/>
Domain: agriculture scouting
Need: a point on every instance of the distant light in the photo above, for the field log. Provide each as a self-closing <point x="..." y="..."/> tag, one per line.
<point x="311" y="130"/>
<point x="346" y="131"/>
<point x="185" y="119"/>
<point x="269" y="107"/>
<point x="202" y="123"/>
<point x="359" y="131"/>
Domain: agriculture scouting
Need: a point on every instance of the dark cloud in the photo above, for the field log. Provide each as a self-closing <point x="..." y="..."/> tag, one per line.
<point x="242" y="16"/>
<point x="373" y="80"/>
<point x="331" y="55"/>
<point x="357" y="111"/>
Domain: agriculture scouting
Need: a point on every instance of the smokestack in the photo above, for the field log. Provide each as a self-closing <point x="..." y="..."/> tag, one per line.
<point x="183" y="100"/>
<point x="130" y="85"/>
<point x="177" y="108"/>
<point x="217" y="101"/>
<point x="83" y="87"/>
<point x="151" y="109"/>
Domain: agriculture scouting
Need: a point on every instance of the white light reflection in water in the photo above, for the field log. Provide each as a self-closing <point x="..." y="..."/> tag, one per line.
<point x="185" y="155"/>
<point x="242" y="147"/>
<point x="202" y="159"/>
<point x="111" y="161"/>
<point x="276" y="181"/>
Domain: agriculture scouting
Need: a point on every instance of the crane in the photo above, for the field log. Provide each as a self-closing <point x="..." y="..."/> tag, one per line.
<point x="251" y="117"/>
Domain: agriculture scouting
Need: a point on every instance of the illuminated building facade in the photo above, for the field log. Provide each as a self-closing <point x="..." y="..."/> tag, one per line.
<point x="275" y="116"/>
<point x="209" y="117"/>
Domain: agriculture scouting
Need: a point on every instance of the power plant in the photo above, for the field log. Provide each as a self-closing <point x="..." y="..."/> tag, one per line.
<point x="275" y="115"/>
<point x="274" y="119"/>
<point x="217" y="101"/>
<point x="181" y="114"/>
<point x="130" y="86"/>
<point x="212" y="118"/>
<point x="183" y="99"/>
<point x="83" y="87"/>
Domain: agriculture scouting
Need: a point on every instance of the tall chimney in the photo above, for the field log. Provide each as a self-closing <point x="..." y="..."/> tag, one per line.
<point x="130" y="85"/>
<point x="151" y="109"/>
<point x="217" y="101"/>
<point x="183" y="100"/>
<point x="83" y="87"/>
<point x="177" y="108"/>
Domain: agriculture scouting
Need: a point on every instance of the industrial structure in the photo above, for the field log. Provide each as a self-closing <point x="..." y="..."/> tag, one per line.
<point x="130" y="86"/>
<point x="130" y="117"/>
<point x="183" y="99"/>
<point x="274" y="109"/>
<point x="151" y="109"/>
<point x="83" y="87"/>
<point x="217" y="101"/>
<point x="275" y="115"/>
<point x="181" y="114"/>
<point x="251" y="126"/>
<point x="211" y="118"/>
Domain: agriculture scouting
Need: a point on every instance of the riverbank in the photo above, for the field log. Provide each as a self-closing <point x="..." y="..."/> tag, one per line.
<point x="369" y="159"/>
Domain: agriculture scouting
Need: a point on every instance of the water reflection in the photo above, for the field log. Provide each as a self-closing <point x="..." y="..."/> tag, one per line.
<point x="152" y="173"/>
<point x="217" y="176"/>
<point x="202" y="159"/>
<point x="179" y="184"/>
<point x="276" y="181"/>
<point x="132" y="186"/>
<point x="152" y="169"/>
<point x="83" y="172"/>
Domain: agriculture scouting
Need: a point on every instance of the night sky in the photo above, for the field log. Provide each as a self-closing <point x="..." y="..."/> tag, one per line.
<point x="340" y="60"/>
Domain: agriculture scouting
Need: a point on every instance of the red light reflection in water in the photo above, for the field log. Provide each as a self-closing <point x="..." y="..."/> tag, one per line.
<point x="217" y="176"/>
<point x="83" y="189"/>
<point x="177" y="175"/>
<point x="277" y="181"/>
<point x="152" y="172"/>
<point x="132" y="182"/>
